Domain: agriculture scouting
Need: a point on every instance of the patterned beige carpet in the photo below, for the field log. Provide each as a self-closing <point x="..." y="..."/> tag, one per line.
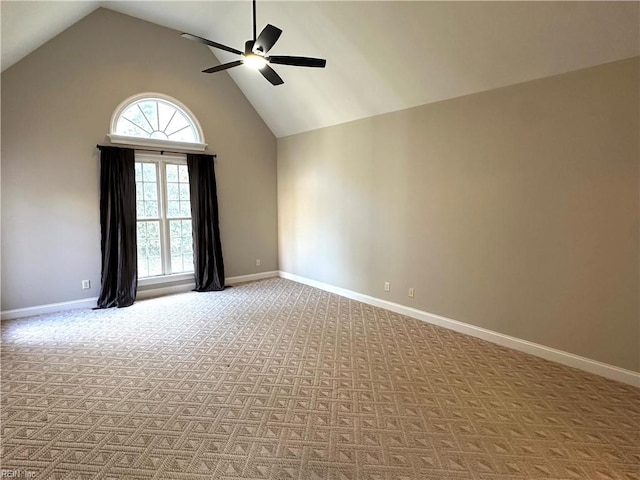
<point x="277" y="380"/>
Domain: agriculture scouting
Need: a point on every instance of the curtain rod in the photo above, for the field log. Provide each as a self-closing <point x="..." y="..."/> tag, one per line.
<point x="162" y="152"/>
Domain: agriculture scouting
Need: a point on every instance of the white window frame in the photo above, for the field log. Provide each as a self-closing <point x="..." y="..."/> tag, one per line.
<point x="165" y="247"/>
<point x="199" y="146"/>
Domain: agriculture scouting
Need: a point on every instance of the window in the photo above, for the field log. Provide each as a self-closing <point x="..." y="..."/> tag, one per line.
<point x="163" y="210"/>
<point x="156" y="120"/>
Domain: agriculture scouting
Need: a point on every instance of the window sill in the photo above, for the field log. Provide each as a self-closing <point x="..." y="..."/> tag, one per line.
<point x="166" y="279"/>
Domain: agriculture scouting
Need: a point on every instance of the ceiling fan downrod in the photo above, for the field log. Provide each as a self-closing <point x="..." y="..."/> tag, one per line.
<point x="254" y="21"/>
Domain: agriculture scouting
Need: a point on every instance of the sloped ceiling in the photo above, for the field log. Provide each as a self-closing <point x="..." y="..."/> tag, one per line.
<point x="381" y="56"/>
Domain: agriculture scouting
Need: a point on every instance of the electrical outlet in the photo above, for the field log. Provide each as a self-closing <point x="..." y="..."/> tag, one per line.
<point x="412" y="293"/>
<point x="257" y="262"/>
<point x="387" y="286"/>
<point x="86" y="284"/>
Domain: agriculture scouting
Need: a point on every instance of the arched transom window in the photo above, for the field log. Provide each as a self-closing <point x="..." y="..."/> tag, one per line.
<point x="156" y="119"/>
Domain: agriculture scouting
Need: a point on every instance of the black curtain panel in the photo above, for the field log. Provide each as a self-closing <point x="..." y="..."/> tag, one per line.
<point x="207" y="248"/>
<point x="119" y="280"/>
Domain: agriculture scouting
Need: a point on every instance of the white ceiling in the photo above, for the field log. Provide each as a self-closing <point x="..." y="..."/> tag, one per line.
<point x="381" y="56"/>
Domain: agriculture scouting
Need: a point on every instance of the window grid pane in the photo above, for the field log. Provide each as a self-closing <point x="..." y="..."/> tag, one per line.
<point x="146" y="190"/>
<point x="149" y="256"/>
<point x="165" y="241"/>
<point x="181" y="245"/>
<point x="156" y="118"/>
<point x="178" y="203"/>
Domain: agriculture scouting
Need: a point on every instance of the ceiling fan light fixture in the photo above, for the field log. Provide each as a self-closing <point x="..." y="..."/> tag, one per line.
<point x="254" y="61"/>
<point x="255" y="53"/>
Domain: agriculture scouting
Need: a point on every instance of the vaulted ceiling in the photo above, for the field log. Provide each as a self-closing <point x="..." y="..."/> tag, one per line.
<point x="381" y="56"/>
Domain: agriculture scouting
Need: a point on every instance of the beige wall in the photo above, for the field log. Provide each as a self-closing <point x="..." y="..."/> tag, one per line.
<point x="57" y="104"/>
<point x="515" y="210"/>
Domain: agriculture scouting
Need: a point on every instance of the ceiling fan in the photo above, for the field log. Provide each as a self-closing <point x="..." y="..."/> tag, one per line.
<point x="255" y="53"/>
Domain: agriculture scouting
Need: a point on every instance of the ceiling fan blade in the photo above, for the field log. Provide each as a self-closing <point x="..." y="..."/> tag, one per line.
<point x="224" y="66"/>
<point x="211" y="44"/>
<point x="298" y="61"/>
<point x="271" y="75"/>
<point x="267" y="39"/>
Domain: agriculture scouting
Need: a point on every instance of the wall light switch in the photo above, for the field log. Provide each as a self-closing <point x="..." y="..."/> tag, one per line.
<point x="86" y="284"/>
<point x="387" y="286"/>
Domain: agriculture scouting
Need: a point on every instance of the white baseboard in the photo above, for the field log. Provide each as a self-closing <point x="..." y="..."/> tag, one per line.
<point x="565" y="358"/>
<point x="251" y="278"/>
<point x="186" y="287"/>
<point x="141" y="295"/>
<point x="49" y="308"/>
<point x="162" y="291"/>
<point x="559" y="356"/>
